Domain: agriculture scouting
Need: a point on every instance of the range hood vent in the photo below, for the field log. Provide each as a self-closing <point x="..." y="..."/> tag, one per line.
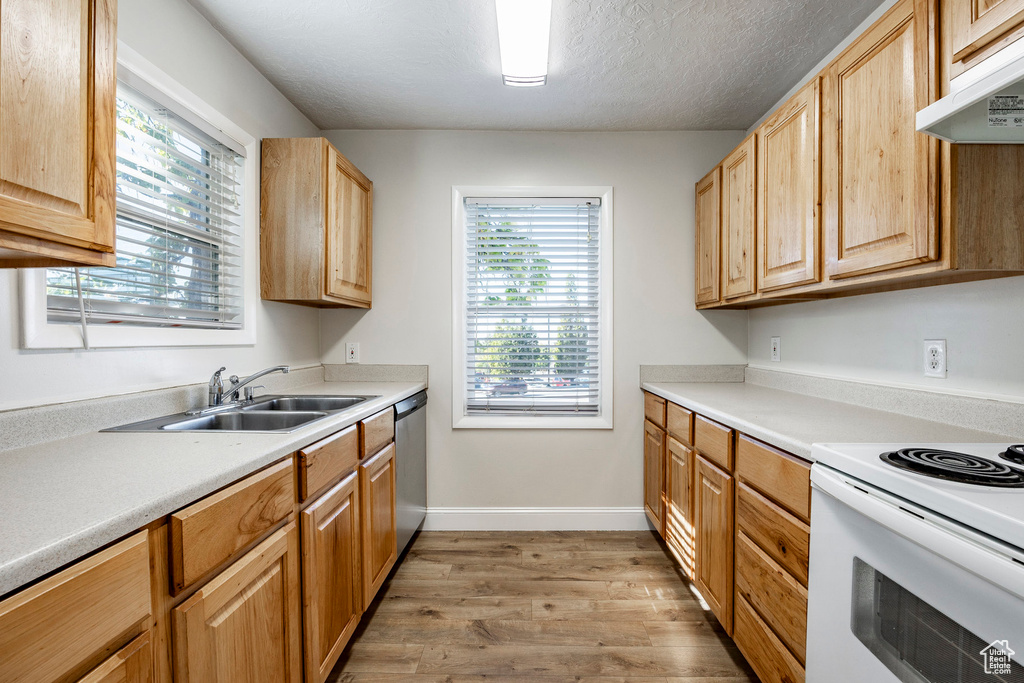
<point x="985" y="105"/>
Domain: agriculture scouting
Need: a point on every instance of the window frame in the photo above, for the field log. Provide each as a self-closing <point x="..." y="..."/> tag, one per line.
<point x="38" y="333"/>
<point x="460" y="420"/>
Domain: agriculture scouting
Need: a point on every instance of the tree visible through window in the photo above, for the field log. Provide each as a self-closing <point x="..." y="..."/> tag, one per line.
<point x="532" y="306"/>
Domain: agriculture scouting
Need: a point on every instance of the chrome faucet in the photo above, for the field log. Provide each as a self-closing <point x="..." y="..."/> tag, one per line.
<point x="221" y="395"/>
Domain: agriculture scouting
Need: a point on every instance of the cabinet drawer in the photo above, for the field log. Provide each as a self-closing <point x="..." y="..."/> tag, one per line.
<point x="133" y="663"/>
<point x="72" y="621"/>
<point x="714" y="441"/>
<point x="208" y="533"/>
<point x="770" y="659"/>
<point x="377" y="431"/>
<point x="784" y="537"/>
<point x="680" y="423"/>
<point x="654" y="409"/>
<point x="326" y="461"/>
<point x="780" y="476"/>
<point x="777" y="596"/>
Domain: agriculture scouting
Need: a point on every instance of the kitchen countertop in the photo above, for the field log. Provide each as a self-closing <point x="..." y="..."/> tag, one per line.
<point x="63" y="499"/>
<point x="793" y="422"/>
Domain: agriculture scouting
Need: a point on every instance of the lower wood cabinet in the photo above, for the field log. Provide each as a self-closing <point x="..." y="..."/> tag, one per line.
<point x="713" y="521"/>
<point x="131" y="664"/>
<point x="244" y="624"/>
<point x="380" y="541"/>
<point x="654" y="474"/>
<point x="762" y="648"/>
<point x="332" y="597"/>
<point x="679" y="527"/>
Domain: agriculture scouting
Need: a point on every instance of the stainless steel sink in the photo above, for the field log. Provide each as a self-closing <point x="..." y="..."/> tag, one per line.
<point x="265" y="414"/>
<point x="319" y="403"/>
<point x="246" y="421"/>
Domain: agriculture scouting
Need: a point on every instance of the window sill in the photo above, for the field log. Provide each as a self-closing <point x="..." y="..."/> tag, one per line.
<point x="512" y="422"/>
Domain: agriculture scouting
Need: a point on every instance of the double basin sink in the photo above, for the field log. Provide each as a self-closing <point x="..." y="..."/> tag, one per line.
<point x="264" y="414"/>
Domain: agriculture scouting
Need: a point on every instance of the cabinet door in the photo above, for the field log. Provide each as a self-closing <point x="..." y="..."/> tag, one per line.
<point x="679" y="513"/>
<point x="788" y="193"/>
<point x="654" y="474"/>
<point x="709" y="231"/>
<point x="879" y="175"/>
<point x="380" y="544"/>
<point x="739" y="221"/>
<point x="331" y="588"/>
<point x="244" y="624"/>
<point x="57" y="129"/>
<point x="349" y="230"/>
<point x="977" y="23"/>
<point x="713" y="519"/>
<point x="131" y="664"/>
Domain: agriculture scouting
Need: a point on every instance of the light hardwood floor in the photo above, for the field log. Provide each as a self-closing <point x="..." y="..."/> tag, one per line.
<point x="539" y="606"/>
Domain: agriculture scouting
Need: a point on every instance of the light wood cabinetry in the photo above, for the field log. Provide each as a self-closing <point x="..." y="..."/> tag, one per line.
<point x="708" y="237"/>
<point x="788" y="193"/>
<point x="713" y="523"/>
<point x="131" y="664"/>
<point x="376" y="431"/>
<point x="380" y="540"/>
<point x="739" y="221"/>
<point x="67" y="624"/>
<point x="316" y="242"/>
<point x="654" y="474"/>
<point x="332" y="595"/>
<point x="978" y="26"/>
<point x="244" y="624"/>
<point x="769" y="658"/>
<point x="679" y="526"/>
<point x="327" y="460"/>
<point x="57" y="132"/>
<point x="880" y="177"/>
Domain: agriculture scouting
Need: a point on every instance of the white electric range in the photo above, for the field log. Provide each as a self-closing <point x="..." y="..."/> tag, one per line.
<point x="916" y="564"/>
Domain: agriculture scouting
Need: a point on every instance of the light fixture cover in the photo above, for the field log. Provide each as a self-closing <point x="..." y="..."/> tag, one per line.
<point x="524" y="30"/>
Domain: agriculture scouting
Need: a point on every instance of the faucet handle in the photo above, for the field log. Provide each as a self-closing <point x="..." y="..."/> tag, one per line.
<point x="250" y="390"/>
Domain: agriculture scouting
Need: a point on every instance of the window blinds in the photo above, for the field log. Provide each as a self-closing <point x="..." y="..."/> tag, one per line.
<point x="533" y="306"/>
<point x="179" y="229"/>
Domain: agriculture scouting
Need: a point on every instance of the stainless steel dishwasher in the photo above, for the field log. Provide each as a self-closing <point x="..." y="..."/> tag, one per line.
<point x="411" y="466"/>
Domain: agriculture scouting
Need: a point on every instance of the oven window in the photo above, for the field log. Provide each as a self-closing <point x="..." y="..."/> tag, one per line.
<point x="920" y="644"/>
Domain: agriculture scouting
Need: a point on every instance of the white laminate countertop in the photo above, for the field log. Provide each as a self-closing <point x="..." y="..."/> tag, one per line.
<point x="793" y="422"/>
<point x="63" y="499"/>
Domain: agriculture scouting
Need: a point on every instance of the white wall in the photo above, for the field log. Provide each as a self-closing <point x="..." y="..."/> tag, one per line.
<point x="653" y="175"/>
<point x="163" y="31"/>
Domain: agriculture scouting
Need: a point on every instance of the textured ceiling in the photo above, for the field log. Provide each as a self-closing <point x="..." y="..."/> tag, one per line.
<point x="614" y="65"/>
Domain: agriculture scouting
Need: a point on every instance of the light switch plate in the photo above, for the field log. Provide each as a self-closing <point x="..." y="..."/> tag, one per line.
<point x="777" y="349"/>
<point x="351" y="352"/>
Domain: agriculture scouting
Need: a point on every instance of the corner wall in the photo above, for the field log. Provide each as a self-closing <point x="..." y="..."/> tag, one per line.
<point x="159" y="30"/>
<point x="653" y="176"/>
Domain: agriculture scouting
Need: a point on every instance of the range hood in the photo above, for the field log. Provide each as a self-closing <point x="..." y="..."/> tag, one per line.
<point x="985" y="104"/>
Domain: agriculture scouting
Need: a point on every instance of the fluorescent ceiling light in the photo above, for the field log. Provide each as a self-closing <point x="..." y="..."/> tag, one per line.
<point x="524" y="28"/>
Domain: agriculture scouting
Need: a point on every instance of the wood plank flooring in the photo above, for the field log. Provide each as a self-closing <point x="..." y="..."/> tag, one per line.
<point x="597" y="607"/>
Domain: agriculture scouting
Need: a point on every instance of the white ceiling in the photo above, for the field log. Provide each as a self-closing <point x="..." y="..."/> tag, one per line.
<point x="614" y="65"/>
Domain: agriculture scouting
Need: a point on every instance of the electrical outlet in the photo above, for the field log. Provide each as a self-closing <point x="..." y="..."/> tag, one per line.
<point x="351" y="352"/>
<point x="777" y="349"/>
<point x="935" y="358"/>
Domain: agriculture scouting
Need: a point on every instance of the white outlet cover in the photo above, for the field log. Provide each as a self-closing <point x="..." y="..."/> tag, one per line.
<point x="351" y="352"/>
<point x="777" y="349"/>
<point x="935" y="358"/>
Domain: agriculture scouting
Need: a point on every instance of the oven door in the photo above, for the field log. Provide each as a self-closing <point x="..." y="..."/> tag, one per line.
<point x="898" y="593"/>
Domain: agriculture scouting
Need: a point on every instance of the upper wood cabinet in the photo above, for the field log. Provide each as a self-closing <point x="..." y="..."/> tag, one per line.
<point x="708" y="236"/>
<point x="739" y="221"/>
<point x="980" y="28"/>
<point x="316" y="225"/>
<point x="788" y="193"/>
<point x="880" y="177"/>
<point x="244" y="624"/>
<point x="57" y="132"/>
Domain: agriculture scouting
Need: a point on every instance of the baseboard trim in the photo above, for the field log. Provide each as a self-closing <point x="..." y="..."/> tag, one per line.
<point x="535" y="519"/>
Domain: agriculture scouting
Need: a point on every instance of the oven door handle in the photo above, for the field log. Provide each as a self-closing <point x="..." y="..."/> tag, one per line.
<point x="979" y="555"/>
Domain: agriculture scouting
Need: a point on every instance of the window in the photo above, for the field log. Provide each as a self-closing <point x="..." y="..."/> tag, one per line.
<point x="533" y="308"/>
<point x="187" y="229"/>
<point x="179" y="233"/>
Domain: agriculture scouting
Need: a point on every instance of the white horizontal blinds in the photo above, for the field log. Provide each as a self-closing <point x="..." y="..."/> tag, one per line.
<point x="179" y="229"/>
<point x="533" y="306"/>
